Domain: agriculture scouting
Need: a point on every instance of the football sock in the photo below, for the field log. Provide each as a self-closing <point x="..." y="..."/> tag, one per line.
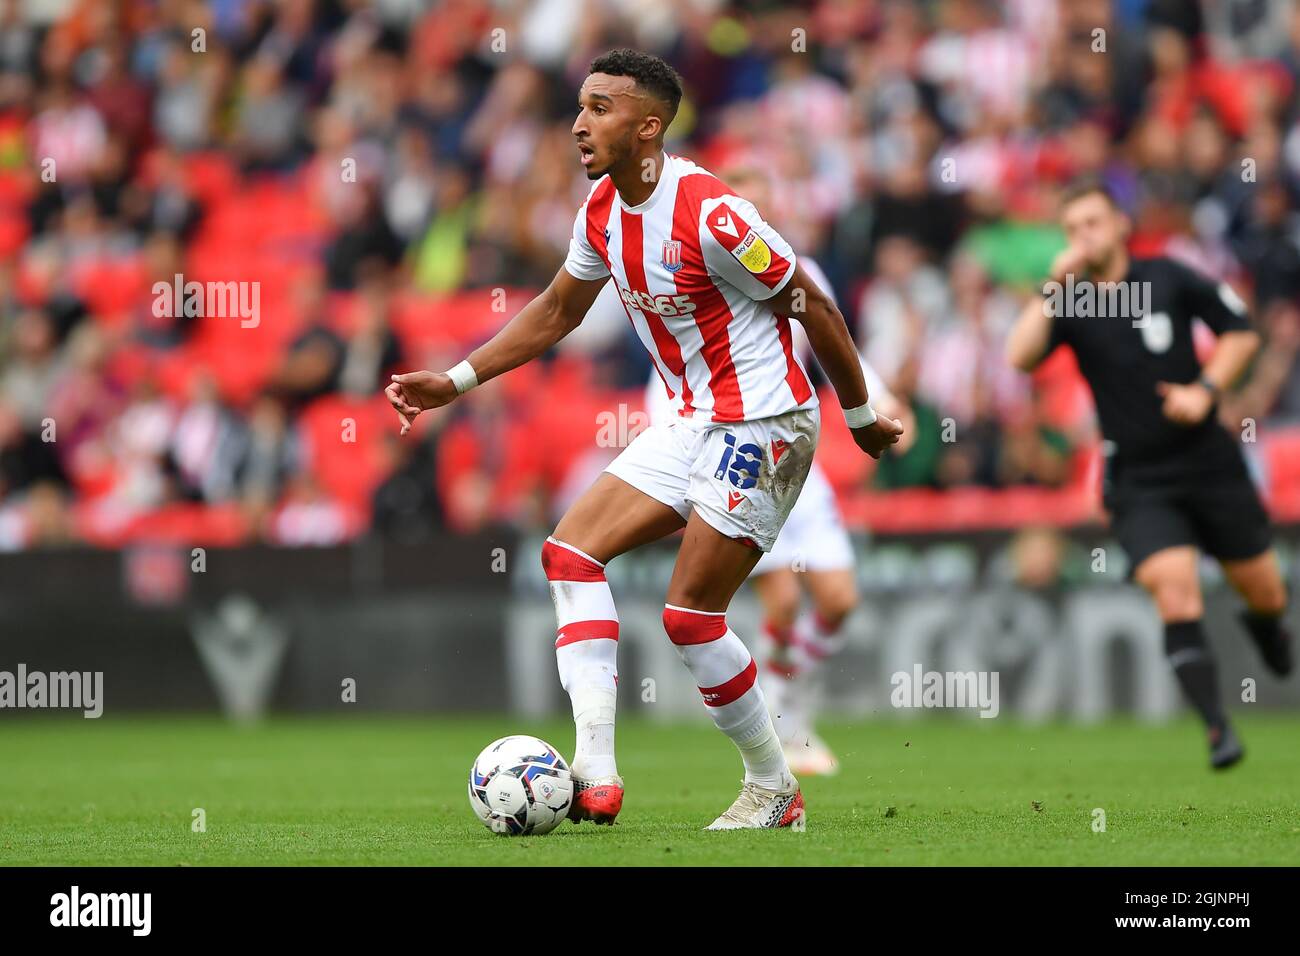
<point x="727" y="676"/>
<point x="586" y="652"/>
<point x="778" y="650"/>
<point x="1194" y="667"/>
<point x="818" y="637"/>
<point x="1271" y="638"/>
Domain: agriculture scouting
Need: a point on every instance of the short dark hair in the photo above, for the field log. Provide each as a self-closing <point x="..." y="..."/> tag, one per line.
<point x="1088" y="186"/>
<point x="650" y="72"/>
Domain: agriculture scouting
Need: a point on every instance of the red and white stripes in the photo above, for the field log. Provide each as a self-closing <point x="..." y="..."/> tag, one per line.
<point x="584" y="606"/>
<point x="727" y="677"/>
<point x="819" y="637"/>
<point x="722" y="666"/>
<point x="586" y="651"/>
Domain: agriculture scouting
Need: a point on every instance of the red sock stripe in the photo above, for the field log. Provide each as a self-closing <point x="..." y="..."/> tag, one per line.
<point x="787" y="671"/>
<point x="815" y="652"/>
<point x="779" y="635"/>
<point x="688" y="627"/>
<point x="561" y="564"/>
<point x="733" y="689"/>
<point x="825" y="624"/>
<point x="587" y="631"/>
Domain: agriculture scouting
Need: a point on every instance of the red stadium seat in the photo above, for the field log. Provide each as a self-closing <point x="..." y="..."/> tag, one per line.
<point x="344" y="436"/>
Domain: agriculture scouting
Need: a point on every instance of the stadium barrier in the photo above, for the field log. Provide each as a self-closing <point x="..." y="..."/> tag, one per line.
<point x="465" y="624"/>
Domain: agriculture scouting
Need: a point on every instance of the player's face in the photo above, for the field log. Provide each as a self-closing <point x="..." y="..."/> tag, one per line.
<point x="1095" y="227"/>
<point x="611" y="111"/>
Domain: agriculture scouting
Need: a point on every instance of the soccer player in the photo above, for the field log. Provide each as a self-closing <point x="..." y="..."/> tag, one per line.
<point x="709" y="287"/>
<point x="1175" y="481"/>
<point x="813" y="552"/>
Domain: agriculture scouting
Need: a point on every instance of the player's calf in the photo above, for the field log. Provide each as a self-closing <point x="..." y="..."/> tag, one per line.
<point x="1193" y="664"/>
<point x="1259" y="582"/>
<point x="586" y="652"/>
<point x="727" y="678"/>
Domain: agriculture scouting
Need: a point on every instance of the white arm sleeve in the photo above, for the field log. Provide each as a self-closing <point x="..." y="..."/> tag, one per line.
<point x="583" y="262"/>
<point x="744" y="250"/>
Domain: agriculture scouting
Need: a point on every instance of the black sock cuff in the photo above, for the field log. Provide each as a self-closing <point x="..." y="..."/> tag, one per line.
<point x="1261" y="625"/>
<point x="1184" y="635"/>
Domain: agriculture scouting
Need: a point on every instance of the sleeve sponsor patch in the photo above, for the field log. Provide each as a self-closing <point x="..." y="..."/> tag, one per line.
<point x="753" y="253"/>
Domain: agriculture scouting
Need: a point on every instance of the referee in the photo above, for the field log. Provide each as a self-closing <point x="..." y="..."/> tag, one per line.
<point x="1175" y="481"/>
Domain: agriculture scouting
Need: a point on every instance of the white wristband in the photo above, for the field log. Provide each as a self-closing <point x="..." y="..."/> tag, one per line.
<point x="463" y="377"/>
<point x="860" y="417"/>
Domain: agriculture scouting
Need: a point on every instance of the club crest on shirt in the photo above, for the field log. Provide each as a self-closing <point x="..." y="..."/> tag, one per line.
<point x="672" y="255"/>
<point x="753" y="253"/>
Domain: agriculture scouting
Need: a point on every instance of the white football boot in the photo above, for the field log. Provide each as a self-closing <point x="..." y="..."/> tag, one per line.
<point x="758" y="808"/>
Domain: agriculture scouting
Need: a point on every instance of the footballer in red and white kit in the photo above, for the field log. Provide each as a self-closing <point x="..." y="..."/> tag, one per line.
<point x="813" y="536"/>
<point x="707" y="285"/>
<point x="693" y="266"/>
<point x="813" y="554"/>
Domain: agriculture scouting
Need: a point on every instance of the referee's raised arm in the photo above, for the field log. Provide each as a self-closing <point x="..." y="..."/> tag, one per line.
<point x="1031" y="337"/>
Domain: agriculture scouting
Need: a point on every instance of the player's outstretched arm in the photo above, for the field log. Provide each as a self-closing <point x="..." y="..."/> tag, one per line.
<point x="829" y="337"/>
<point x="534" y="329"/>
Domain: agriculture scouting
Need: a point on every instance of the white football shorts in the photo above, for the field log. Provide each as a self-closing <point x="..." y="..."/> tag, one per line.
<point x="814" y="537"/>
<point x="742" y="478"/>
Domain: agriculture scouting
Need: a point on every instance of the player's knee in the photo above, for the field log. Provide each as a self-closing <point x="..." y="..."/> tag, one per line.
<point x="1177" y="600"/>
<point x="780" y="601"/>
<point x="1267" y="595"/>
<point x="551" y="556"/>
<point x="837" y="603"/>
<point x="564" y="562"/>
<point x="685" y="627"/>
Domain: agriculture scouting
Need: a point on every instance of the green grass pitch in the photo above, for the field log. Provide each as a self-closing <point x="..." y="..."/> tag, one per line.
<point x="381" y="790"/>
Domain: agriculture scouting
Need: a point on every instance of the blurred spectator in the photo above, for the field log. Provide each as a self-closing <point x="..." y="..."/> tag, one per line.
<point x="208" y="445"/>
<point x="309" y="517"/>
<point x="406" y="507"/>
<point x="384" y="181"/>
<point x="272" y="455"/>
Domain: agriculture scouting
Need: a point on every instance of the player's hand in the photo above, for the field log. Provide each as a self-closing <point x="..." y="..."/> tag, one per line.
<point x="879" y="435"/>
<point x="900" y="412"/>
<point x="415" y="392"/>
<point x="1186" y="404"/>
<point x="1069" y="261"/>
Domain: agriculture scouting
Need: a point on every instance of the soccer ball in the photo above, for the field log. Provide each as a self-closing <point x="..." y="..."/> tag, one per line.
<point x="520" y="786"/>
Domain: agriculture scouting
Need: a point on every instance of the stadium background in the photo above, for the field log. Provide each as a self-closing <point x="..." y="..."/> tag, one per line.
<point x="219" y="514"/>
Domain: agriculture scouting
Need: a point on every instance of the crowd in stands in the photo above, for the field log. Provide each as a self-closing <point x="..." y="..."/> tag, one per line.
<point x="380" y="185"/>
